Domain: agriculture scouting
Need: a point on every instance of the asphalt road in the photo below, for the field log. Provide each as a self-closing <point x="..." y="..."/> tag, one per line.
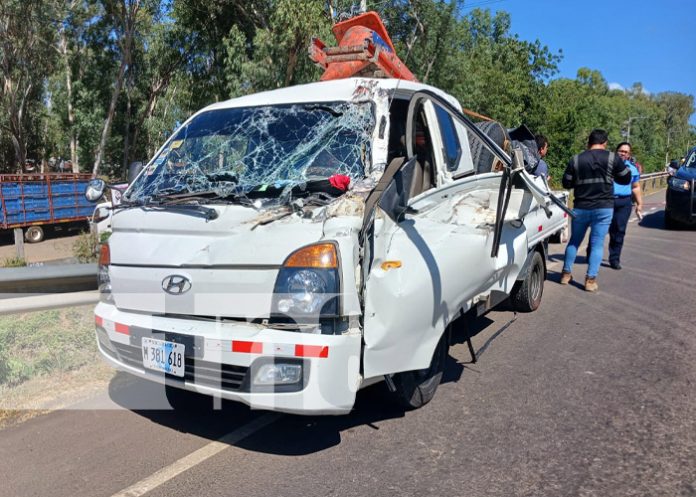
<point x="592" y="395"/>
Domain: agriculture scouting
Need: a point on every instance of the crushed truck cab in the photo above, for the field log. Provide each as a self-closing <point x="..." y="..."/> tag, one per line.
<point x="287" y="248"/>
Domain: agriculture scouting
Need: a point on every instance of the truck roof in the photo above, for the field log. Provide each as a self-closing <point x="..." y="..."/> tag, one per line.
<point x="327" y="91"/>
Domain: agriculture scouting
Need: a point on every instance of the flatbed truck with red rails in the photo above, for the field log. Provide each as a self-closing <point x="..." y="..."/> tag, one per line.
<point x="34" y="202"/>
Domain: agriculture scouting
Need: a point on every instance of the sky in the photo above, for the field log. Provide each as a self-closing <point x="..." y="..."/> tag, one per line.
<point x="652" y="42"/>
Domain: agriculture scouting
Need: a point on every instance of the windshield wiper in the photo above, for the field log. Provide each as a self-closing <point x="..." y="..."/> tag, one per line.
<point x="208" y="212"/>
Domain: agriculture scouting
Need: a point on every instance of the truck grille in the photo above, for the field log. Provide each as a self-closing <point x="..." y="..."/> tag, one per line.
<point x="198" y="371"/>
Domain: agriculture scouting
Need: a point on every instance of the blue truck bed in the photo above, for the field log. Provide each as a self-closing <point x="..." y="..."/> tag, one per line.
<point x="38" y="199"/>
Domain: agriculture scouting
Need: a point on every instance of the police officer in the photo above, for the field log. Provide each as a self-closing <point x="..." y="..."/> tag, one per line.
<point x="624" y="195"/>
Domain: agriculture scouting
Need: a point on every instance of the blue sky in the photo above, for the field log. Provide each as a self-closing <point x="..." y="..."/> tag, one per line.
<point x="651" y="42"/>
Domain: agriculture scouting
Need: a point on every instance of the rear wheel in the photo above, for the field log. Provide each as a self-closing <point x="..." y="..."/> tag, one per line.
<point x="34" y="234"/>
<point x="416" y="388"/>
<point x="526" y="294"/>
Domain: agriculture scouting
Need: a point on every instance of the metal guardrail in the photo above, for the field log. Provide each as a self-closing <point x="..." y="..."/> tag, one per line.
<point x="48" y="279"/>
<point x="45" y="302"/>
<point x="653" y="181"/>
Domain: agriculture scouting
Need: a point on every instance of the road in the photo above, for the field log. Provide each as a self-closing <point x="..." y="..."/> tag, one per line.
<point x="592" y="395"/>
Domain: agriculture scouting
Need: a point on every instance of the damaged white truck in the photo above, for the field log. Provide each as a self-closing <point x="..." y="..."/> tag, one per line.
<point x="285" y="249"/>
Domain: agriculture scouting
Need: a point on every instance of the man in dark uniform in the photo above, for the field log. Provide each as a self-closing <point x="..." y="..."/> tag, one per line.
<point x="591" y="174"/>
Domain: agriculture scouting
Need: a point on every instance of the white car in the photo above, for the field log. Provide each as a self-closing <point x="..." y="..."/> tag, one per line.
<point x="285" y="249"/>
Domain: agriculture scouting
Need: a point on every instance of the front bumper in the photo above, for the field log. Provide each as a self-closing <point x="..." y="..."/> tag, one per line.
<point x="681" y="205"/>
<point x="221" y="359"/>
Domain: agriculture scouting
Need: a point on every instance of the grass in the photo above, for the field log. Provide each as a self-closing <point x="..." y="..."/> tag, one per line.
<point x="13" y="262"/>
<point x="43" y="343"/>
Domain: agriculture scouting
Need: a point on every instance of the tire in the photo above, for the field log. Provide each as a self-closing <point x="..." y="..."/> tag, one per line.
<point x="185" y="401"/>
<point x="670" y="222"/>
<point x="482" y="158"/>
<point x="34" y="234"/>
<point x="561" y="236"/>
<point x="416" y="388"/>
<point x="526" y="294"/>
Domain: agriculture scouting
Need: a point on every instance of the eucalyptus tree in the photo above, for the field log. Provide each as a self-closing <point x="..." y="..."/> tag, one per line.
<point x="278" y="54"/>
<point x="26" y="58"/>
<point x="676" y="109"/>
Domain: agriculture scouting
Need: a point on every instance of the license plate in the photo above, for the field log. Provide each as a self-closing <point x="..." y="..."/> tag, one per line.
<point x="167" y="357"/>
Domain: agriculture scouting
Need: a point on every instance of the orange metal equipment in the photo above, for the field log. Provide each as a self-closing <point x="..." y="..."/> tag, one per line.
<point x="364" y="49"/>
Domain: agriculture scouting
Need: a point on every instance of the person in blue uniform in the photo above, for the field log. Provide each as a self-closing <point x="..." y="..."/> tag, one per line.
<point x="624" y="196"/>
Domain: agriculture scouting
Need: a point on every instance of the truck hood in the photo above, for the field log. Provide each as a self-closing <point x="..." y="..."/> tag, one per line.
<point x="230" y="263"/>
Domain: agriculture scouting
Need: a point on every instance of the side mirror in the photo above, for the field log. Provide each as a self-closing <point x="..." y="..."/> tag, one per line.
<point x="95" y="190"/>
<point x="133" y="170"/>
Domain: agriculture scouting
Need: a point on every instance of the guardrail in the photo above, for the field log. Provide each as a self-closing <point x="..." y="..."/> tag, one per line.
<point x="653" y="181"/>
<point x="47" y="279"/>
<point x="45" y="302"/>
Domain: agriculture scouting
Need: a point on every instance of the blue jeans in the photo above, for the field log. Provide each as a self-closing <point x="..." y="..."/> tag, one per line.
<point x="598" y="221"/>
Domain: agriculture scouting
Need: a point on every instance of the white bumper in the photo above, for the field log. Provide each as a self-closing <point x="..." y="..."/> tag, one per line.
<point x="222" y="356"/>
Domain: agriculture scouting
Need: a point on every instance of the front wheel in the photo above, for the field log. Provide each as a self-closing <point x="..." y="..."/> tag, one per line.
<point x="416" y="388"/>
<point x="526" y="294"/>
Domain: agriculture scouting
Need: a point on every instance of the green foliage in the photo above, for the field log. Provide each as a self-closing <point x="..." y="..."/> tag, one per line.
<point x="13" y="262"/>
<point x="293" y="23"/>
<point x="186" y="54"/>
<point x="45" y="342"/>
<point x="86" y="247"/>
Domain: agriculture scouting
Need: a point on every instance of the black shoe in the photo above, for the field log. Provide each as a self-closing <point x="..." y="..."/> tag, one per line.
<point x="615" y="265"/>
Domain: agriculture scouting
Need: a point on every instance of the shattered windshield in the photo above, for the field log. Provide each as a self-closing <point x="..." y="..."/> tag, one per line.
<point x="260" y="149"/>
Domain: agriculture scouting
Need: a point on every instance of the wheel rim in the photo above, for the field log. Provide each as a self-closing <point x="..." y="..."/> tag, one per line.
<point x="535" y="283"/>
<point x="33" y="234"/>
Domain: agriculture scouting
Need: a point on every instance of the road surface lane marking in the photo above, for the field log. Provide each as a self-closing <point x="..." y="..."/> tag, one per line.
<point x="195" y="458"/>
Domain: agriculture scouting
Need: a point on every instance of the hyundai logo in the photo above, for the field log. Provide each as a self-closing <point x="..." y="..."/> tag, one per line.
<point x="176" y="284"/>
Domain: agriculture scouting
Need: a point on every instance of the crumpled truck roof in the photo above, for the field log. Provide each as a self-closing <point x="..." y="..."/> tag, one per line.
<point x="328" y="91"/>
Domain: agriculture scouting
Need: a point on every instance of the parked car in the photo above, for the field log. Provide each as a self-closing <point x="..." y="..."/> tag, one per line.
<point x="680" y="206"/>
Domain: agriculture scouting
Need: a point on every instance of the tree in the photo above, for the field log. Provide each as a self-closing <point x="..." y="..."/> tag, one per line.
<point x="124" y="17"/>
<point x="208" y="26"/>
<point x="279" y="55"/>
<point x="162" y="56"/>
<point x="677" y="109"/>
<point x="26" y="58"/>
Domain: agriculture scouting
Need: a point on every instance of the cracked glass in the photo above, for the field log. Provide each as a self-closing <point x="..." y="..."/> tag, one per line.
<point x="264" y="150"/>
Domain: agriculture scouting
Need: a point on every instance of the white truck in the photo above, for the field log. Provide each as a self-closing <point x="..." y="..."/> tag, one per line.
<point x="287" y="248"/>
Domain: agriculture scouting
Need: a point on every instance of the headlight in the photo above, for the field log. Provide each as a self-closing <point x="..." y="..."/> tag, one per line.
<point x="307" y="287"/>
<point x="679" y="184"/>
